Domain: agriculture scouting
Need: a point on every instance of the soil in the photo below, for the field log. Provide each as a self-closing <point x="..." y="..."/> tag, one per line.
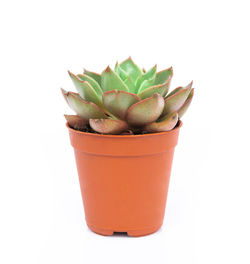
<point x="88" y="129"/>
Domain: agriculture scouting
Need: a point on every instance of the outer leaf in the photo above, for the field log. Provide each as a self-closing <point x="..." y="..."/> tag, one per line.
<point x="118" y="102"/>
<point x="92" y="82"/>
<point x="93" y="75"/>
<point x="163" y="76"/>
<point x="108" y="126"/>
<point x="175" y="101"/>
<point x="111" y="81"/>
<point x="145" y="111"/>
<point x="189" y="86"/>
<point x="175" y="91"/>
<point x="161" y="89"/>
<point x="85" y="90"/>
<point x="64" y="93"/>
<point x="168" y="123"/>
<point x="149" y="75"/>
<point x="76" y="121"/>
<point x="187" y="103"/>
<point x="131" y="69"/>
<point x="84" y="109"/>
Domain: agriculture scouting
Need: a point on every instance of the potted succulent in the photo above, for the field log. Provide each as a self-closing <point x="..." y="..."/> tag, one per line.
<point x="124" y="134"/>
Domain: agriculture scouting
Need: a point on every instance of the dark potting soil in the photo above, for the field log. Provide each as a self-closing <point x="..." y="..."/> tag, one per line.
<point x="135" y="131"/>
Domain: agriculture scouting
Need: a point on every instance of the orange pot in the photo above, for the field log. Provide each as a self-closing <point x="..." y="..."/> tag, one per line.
<point x="124" y="179"/>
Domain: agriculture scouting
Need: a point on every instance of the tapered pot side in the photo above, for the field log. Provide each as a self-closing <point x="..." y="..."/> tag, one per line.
<point x="124" y="179"/>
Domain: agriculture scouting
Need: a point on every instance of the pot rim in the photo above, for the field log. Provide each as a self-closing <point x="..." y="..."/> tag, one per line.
<point x="125" y="136"/>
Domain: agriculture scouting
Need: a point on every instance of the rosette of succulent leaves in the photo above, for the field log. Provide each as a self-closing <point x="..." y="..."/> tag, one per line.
<point x="126" y="100"/>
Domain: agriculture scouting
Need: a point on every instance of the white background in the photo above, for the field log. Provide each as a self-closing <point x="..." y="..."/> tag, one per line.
<point x="208" y="212"/>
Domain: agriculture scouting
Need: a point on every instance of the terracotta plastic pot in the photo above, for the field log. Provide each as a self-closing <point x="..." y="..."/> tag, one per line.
<point x="124" y="179"/>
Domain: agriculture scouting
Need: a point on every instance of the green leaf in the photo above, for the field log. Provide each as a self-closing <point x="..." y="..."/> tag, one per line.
<point x="175" y="101"/>
<point x="163" y="76"/>
<point x="130" y="85"/>
<point x="85" y="90"/>
<point x="149" y="75"/>
<point x="187" y="103"/>
<point x="123" y="75"/>
<point x="131" y="69"/>
<point x="118" y="102"/>
<point x="166" y="124"/>
<point x="84" y="109"/>
<point x="145" y="111"/>
<point x="145" y="84"/>
<point x="92" y="82"/>
<point x="93" y="75"/>
<point x="111" y="81"/>
<point x="161" y="89"/>
<point x="76" y="121"/>
<point x="108" y="126"/>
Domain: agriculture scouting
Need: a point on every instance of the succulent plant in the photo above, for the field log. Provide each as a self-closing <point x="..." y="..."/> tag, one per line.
<point x="127" y="99"/>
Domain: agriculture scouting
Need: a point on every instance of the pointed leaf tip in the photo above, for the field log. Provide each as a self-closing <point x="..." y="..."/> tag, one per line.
<point x="108" y="69"/>
<point x="186" y="105"/>
<point x="64" y="93"/>
<point x="108" y="126"/>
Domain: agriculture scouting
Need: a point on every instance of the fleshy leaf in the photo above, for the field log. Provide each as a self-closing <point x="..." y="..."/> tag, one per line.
<point x="161" y="89"/>
<point x="118" y="102"/>
<point x="145" y="84"/>
<point x="185" y="106"/>
<point x="64" y="93"/>
<point x="93" y="75"/>
<point x="189" y="86"/>
<point x="111" y="81"/>
<point x="130" y="85"/>
<point x="131" y="69"/>
<point x="162" y="76"/>
<point x="145" y="111"/>
<point x="108" y="126"/>
<point x="85" y="90"/>
<point x="92" y="82"/>
<point x="175" y="101"/>
<point x="149" y="75"/>
<point x="175" y="91"/>
<point x="166" y="124"/>
<point x="120" y="72"/>
<point x="76" y="121"/>
<point x="84" y="109"/>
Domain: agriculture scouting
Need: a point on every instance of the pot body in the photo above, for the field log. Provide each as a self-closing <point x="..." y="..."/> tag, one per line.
<point x="124" y="179"/>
